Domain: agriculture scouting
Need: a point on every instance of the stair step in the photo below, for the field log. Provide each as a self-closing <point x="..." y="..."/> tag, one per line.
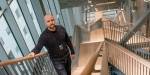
<point x="77" y="71"/>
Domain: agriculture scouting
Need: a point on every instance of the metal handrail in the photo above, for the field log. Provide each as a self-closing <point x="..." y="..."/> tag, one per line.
<point x="137" y="43"/>
<point x="40" y="64"/>
<point x="126" y="61"/>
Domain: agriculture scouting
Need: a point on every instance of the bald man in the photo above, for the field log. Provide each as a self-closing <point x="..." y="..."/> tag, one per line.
<point x="56" y="41"/>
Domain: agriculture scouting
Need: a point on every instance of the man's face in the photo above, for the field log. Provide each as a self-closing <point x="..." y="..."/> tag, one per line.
<point x="50" y="21"/>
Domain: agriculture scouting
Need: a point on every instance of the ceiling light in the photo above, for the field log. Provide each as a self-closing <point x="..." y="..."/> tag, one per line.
<point x="92" y="5"/>
<point x="106" y="3"/>
<point x="146" y="0"/>
<point x="89" y="1"/>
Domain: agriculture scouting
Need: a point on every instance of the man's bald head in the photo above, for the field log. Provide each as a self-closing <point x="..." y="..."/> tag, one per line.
<point x="49" y="21"/>
<point x="48" y="17"/>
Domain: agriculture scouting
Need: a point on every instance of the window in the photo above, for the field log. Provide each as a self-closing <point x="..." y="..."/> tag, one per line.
<point x="1" y="41"/>
<point x="17" y="13"/>
<point x="9" y="1"/>
<point x="17" y="50"/>
<point x="10" y="55"/>
<point x="1" y="10"/>
<point x="33" y="16"/>
<point x="25" y="30"/>
<point x="8" y="30"/>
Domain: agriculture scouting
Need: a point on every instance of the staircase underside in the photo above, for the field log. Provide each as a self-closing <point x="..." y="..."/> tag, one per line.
<point x="86" y="50"/>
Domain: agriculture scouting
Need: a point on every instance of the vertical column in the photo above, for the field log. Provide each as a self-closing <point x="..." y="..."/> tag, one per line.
<point x="148" y="23"/>
<point x="139" y="7"/>
<point x="148" y="27"/>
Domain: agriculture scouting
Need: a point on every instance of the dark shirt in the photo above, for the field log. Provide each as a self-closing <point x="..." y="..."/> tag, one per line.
<point x="56" y="42"/>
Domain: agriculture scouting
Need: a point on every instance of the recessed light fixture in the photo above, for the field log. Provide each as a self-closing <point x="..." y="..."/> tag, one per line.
<point x="89" y="1"/>
<point x="107" y="3"/>
<point x="146" y="0"/>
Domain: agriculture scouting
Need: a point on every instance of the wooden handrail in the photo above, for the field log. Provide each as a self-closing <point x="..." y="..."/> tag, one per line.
<point x="104" y="66"/>
<point x="15" y="61"/>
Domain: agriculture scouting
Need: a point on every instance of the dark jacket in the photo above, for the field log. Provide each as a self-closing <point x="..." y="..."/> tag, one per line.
<point x="56" y="42"/>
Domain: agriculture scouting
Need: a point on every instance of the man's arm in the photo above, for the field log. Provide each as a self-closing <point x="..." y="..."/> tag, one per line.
<point x="68" y="41"/>
<point x="38" y="46"/>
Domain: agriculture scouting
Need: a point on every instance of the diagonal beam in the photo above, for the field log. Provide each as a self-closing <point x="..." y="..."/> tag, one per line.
<point x="135" y="27"/>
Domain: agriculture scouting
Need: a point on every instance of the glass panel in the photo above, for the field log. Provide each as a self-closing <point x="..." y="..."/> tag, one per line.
<point x="8" y="31"/>
<point x="3" y="6"/>
<point x="9" y="1"/>
<point x="28" y="2"/>
<point x="8" y="40"/>
<point x="54" y="13"/>
<point x="9" y="44"/>
<point x="59" y="16"/>
<point x="2" y="71"/>
<point x="1" y="41"/>
<point x="17" y="13"/>
<point x="22" y="24"/>
<point x="47" y="8"/>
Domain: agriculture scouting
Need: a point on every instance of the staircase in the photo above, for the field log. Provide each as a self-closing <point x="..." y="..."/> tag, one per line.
<point x="131" y="57"/>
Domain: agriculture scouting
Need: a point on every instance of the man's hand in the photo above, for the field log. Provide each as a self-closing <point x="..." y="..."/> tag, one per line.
<point x="72" y="56"/>
<point x="32" y="54"/>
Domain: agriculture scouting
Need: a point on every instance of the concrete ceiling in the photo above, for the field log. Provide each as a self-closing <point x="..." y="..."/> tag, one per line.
<point x="71" y="3"/>
<point x="100" y="4"/>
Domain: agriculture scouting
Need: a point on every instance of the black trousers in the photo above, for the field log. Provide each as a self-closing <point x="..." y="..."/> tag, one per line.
<point x="62" y="66"/>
